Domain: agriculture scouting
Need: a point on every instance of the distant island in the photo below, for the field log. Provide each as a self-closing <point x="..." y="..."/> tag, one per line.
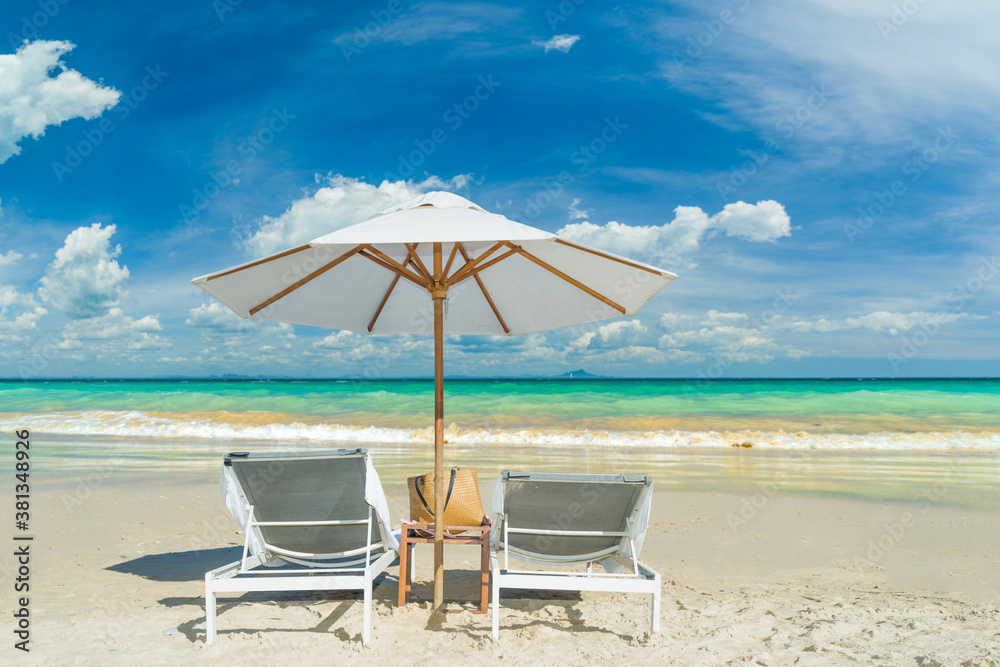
<point x="576" y="375"/>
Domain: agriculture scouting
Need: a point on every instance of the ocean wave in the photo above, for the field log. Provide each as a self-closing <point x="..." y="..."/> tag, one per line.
<point x="231" y="426"/>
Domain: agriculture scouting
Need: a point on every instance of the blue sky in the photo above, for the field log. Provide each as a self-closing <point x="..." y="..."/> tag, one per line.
<point x="821" y="174"/>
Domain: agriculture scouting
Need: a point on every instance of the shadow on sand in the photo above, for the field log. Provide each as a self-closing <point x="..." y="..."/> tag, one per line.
<point x="178" y="566"/>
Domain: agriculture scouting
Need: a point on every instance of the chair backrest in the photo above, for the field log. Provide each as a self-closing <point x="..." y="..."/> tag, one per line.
<point x="570" y="502"/>
<point x="324" y="485"/>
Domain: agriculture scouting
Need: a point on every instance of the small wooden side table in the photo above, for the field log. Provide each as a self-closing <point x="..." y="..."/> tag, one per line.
<point x="409" y="539"/>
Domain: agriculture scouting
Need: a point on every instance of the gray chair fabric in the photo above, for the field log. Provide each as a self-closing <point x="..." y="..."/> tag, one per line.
<point x="311" y="487"/>
<point x="284" y="487"/>
<point x="569" y="519"/>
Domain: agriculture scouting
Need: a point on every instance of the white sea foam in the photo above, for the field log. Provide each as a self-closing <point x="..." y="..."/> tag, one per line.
<point x="181" y="426"/>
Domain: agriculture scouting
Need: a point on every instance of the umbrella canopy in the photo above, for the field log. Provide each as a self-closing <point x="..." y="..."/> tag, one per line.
<point x="438" y="263"/>
<point x="501" y="277"/>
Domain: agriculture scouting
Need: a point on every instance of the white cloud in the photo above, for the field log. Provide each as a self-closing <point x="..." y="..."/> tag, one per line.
<point x="634" y="354"/>
<point x="559" y="43"/>
<point x="114" y="331"/>
<point x="730" y="337"/>
<point x="216" y="316"/>
<point x="883" y="74"/>
<point x="576" y="213"/>
<point x="342" y="202"/>
<point x="611" y="335"/>
<point x="726" y="337"/>
<point x="31" y="99"/>
<point x="714" y="317"/>
<point x="84" y="280"/>
<point x="881" y="321"/>
<point x="12" y="257"/>
<point x="676" y="320"/>
<point x="221" y="325"/>
<point x="339" y="340"/>
<point x="18" y="312"/>
<point x="763" y="221"/>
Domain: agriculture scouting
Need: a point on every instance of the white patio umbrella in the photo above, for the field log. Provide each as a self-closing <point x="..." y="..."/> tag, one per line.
<point x="438" y="263"/>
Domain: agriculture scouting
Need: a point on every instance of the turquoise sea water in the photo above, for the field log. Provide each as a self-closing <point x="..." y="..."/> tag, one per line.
<point x="778" y="414"/>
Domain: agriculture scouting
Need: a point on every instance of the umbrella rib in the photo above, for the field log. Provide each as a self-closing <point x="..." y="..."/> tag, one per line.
<point x="572" y="281"/>
<point x="260" y="261"/>
<point x="392" y="286"/>
<point x="482" y="287"/>
<point x="468" y="266"/>
<point x="388" y="292"/>
<point x="451" y="257"/>
<point x="315" y="274"/>
<point x="389" y="263"/>
<point x="605" y="255"/>
<point x="412" y="247"/>
<point x="479" y="269"/>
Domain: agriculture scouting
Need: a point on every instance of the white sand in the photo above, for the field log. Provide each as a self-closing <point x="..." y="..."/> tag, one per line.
<point x="118" y="567"/>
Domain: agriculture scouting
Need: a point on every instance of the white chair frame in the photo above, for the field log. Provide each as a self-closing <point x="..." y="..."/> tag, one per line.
<point x="322" y="572"/>
<point x="642" y="579"/>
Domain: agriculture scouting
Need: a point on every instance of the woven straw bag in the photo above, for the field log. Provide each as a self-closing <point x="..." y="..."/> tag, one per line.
<point x="462" y="505"/>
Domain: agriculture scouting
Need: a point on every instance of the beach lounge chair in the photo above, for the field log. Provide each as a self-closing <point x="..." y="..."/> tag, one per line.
<point x="311" y="520"/>
<point x="572" y="521"/>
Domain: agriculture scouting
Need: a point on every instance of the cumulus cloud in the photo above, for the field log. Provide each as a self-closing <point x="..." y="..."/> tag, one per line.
<point x="728" y="337"/>
<point x="84" y="280"/>
<point x="18" y="312"/>
<point x="221" y="325"/>
<point x="764" y="221"/>
<point x="343" y="201"/>
<point x="31" y="98"/>
<point x="12" y="257"/>
<point x="611" y="335"/>
<point x="339" y="340"/>
<point x="116" y="331"/>
<point x="559" y="43"/>
<point x="214" y="315"/>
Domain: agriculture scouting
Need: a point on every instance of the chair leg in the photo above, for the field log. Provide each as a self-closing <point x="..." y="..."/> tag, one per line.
<point x="656" y="606"/>
<point x="366" y="632"/>
<point x="404" y="573"/>
<point x="209" y="611"/>
<point x="496" y="605"/>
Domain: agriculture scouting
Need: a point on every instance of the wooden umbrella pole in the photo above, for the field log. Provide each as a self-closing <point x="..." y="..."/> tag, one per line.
<point x="438" y="295"/>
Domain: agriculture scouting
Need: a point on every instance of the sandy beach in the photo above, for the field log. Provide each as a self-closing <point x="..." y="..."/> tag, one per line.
<point x="765" y="560"/>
